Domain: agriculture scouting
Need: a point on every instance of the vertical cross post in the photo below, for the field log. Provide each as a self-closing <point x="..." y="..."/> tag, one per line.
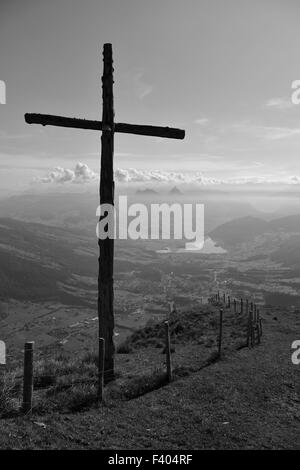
<point x="249" y="325"/>
<point x="106" y="246"/>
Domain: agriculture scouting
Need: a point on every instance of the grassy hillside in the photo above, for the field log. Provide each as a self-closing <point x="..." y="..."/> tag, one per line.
<point x="222" y="404"/>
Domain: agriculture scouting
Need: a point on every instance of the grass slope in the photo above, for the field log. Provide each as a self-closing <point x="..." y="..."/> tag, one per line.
<point x="248" y="400"/>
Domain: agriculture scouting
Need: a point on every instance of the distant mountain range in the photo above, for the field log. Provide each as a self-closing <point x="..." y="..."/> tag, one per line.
<point x="175" y="191"/>
<point x="43" y="262"/>
<point x="59" y="209"/>
<point x="147" y="191"/>
<point x="77" y="211"/>
<point x="288" y="253"/>
<point x="247" y="228"/>
<point x="281" y="237"/>
<point x="290" y="223"/>
<point x="239" y="231"/>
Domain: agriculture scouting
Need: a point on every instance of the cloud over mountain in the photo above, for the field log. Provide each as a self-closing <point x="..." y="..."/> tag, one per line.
<point x="155" y="176"/>
<point x="81" y="174"/>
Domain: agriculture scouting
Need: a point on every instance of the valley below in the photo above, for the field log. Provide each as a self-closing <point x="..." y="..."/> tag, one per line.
<point x="48" y="275"/>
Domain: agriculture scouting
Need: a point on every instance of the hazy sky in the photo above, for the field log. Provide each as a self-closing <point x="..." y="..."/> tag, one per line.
<point x="220" y="69"/>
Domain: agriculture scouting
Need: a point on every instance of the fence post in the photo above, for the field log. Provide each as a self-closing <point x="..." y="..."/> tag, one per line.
<point x="224" y="300"/>
<point x="255" y="312"/>
<point x="101" y="369"/>
<point x="28" y="377"/>
<point x="234" y="305"/>
<point x="242" y="306"/>
<point x="258" y="332"/>
<point x="168" y="352"/>
<point x="220" y="333"/>
<point x="247" y="306"/>
<point x="228" y="298"/>
<point x="249" y="328"/>
<point x="172" y="307"/>
<point x="218" y="296"/>
<point x="260" y="327"/>
<point x="252" y="329"/>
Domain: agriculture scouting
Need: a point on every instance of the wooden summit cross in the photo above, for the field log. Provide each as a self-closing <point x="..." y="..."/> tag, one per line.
<point x="106" y="247"/>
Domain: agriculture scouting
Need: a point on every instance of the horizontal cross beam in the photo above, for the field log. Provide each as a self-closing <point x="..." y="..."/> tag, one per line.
<point x="155" y="131"/>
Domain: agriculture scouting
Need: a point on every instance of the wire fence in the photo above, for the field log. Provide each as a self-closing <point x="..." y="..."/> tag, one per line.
<point x="31" y="380"/>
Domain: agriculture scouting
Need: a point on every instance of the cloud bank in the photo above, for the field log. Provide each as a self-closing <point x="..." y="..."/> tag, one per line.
<point x="133" y="175"/>
<point x="83" y="174"/>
